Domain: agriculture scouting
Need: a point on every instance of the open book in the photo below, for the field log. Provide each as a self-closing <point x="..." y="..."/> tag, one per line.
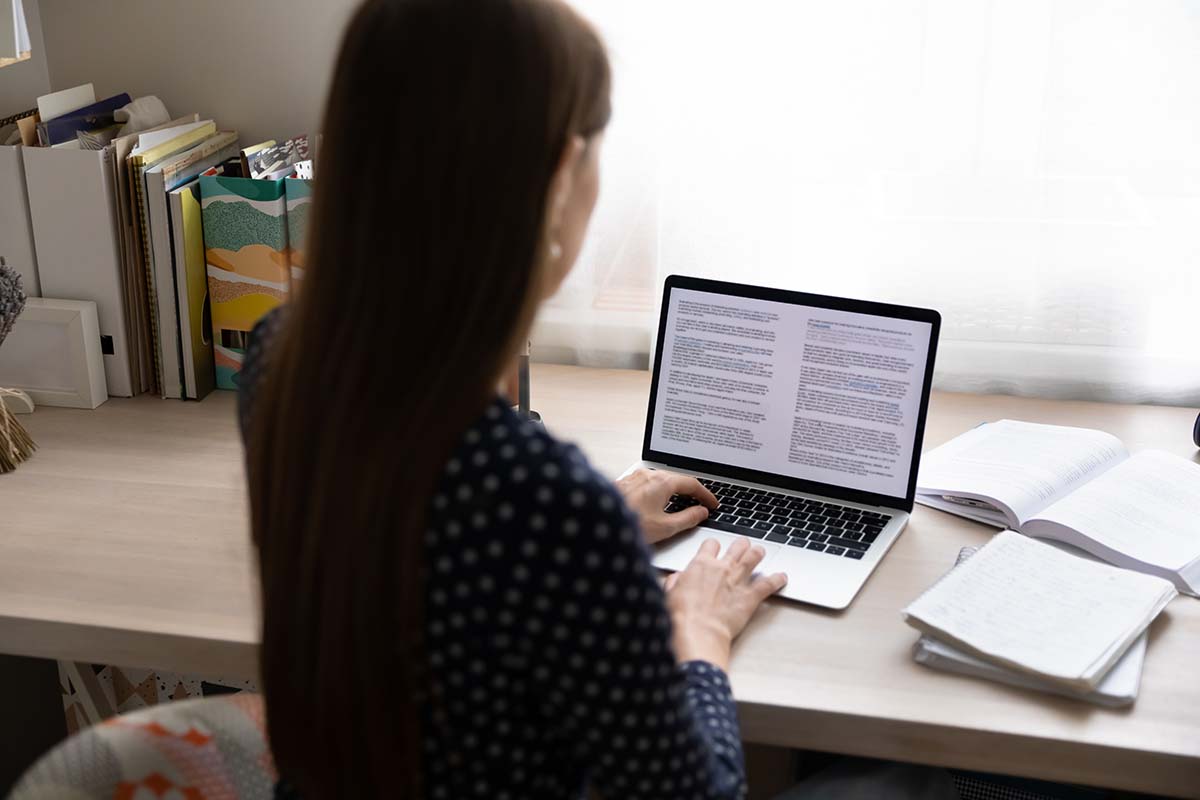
<point x="1077" y="486"/>
<point x="1028" y="606"/>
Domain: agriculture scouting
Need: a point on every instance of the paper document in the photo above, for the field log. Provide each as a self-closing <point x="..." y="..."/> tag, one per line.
<point x="1027" y="605"/>
<point x="1118" y="688"/>
<point x="151" y="139"/>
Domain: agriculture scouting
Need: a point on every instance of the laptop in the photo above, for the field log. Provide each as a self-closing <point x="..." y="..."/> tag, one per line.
<point x="803" y="414"/>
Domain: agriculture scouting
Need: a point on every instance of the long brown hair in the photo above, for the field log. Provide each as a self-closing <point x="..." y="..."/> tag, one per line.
<point x="445" y="123"/>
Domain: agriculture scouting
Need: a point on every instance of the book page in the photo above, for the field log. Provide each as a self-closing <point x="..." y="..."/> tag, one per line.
<point x="1022" y="465"/>
<point x="995" y="518"/>
<point x="1026" y="604"/>
<point x="1146" y="509"/>
<point x="1118" y="688"/>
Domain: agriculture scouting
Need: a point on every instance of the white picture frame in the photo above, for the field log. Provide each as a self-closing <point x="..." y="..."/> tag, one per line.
<point x="53" y="354"/>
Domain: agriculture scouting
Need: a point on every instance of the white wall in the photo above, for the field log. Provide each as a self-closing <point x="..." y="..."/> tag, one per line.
<point x="259" y="67"/>
<point x="21" y="83"/>
<point x="8" y="32"/>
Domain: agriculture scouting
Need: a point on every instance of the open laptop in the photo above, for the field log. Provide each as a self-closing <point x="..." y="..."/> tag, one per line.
<point x="804" y="414"/>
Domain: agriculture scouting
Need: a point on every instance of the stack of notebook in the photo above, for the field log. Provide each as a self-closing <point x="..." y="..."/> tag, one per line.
<point x="1031" y="614"/>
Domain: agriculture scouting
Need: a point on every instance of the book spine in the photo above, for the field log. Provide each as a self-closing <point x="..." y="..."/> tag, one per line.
<point x="164" y="281"/>
<point x="132" y="278"/>
<point x="179" y="262"/>
<point x="148" y="271"/>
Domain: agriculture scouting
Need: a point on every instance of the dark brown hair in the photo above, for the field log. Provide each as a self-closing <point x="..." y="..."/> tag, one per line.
<point x="445" y="123"/>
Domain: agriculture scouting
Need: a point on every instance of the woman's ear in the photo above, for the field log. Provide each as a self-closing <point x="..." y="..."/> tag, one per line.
<point x="572" y="196"/>
<point x="563" y="182"/>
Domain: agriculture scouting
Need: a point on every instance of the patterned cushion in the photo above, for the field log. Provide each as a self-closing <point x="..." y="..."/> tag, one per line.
<point x="207" y="749"/>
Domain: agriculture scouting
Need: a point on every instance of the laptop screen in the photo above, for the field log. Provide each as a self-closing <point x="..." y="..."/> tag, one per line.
<point x="819" y="392"/>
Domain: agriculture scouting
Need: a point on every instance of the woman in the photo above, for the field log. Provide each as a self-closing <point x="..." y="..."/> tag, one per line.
<point x="454" y="603"/>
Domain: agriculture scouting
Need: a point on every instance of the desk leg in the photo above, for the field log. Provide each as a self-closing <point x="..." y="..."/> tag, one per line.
<point x="769" y="770"/>
<point x="31" y="715"/>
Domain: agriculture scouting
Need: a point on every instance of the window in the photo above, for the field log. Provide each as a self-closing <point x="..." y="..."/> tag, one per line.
<point x="1028" y="168"/>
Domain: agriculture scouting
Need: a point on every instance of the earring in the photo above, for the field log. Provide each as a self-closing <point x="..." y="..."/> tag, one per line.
<point x="555" y="251"/>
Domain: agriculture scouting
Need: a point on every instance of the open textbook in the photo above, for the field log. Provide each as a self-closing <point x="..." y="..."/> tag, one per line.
<point x="1028" y="606"/>
<point x="1118" y="688"/>
<point x="1077" y="486"/>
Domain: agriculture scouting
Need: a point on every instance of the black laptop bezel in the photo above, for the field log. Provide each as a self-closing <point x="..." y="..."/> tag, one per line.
<point x="887" y="310"/>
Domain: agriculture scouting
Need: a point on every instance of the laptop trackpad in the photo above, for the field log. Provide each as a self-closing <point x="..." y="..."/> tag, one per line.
<point x="676" y="553"/>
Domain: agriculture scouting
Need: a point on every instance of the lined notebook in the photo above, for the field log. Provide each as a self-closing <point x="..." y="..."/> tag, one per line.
<point x="1025" y="605"/>
<point x="1118" y="688"/>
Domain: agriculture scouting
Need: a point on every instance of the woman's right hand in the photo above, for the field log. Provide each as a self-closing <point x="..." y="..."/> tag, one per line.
<point x="712" y="600"/>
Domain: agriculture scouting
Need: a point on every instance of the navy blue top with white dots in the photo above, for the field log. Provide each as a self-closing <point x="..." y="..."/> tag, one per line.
<point x="548" y="633"/>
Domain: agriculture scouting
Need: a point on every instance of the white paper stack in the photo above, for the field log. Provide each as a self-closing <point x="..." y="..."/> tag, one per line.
<point x="1026" y="613"/>
<point x="1119" y="688"/>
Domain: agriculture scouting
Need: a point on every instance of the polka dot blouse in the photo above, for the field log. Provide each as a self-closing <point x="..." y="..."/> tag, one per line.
<point x="548" y="633"/>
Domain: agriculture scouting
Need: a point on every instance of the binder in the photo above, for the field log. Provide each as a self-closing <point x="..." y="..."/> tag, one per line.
<point x="72" y="206"/>
<point x="16" y="230"/>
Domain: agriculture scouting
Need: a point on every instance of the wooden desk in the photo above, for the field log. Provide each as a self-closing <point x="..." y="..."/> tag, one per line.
<point x="124" y="541"/>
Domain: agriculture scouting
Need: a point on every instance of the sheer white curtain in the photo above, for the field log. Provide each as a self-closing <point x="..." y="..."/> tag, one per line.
<point x="1030" y="168"/>
<point x="22" y="31"/>
<point x="22" y="27"/>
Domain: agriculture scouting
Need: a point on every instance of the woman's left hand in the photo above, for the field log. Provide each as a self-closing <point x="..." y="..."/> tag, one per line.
<point x="647" y="492"/>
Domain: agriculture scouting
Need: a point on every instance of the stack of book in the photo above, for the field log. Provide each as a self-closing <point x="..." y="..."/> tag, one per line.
<point x="1118" y="688"/>
<point x="1097" y="541"/>
<point x="1026" y="613"/>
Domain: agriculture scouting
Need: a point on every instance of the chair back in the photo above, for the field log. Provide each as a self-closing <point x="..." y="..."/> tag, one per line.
<point x="212" y="748"/>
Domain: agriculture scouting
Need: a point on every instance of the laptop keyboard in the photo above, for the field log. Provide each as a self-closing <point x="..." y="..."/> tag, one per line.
<point x="796" y="521"/>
